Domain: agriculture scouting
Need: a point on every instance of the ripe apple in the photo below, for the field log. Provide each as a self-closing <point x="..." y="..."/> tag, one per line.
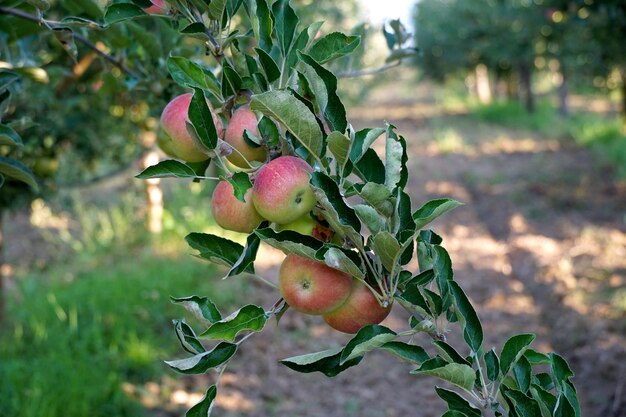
<point x="173" y="124"/>
<point x="231" y="213"/>
<point x="360" y="309"/>
<point x="164" y="143"/>
<point x="158" y="7"/>
<point x="282" y="192"/>
<point x="311" y="287"/>
<point x="243" y="118"/>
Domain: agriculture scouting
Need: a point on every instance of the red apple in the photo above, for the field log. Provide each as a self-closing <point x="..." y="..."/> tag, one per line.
<point x="173" y="123"/>
<point x="311" y="287"/>
<point x="231" y="213"/>
<point x="243" y="118"/>
<point x="281" y="190"/>
<point x="360" y="309"/>
<point x="158" y="7"/>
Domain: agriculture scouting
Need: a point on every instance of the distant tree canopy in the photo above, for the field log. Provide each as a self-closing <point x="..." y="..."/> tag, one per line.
<point x="580" y="39"/>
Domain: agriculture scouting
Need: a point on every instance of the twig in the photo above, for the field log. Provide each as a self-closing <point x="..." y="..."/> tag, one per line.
<point x="368" y="71"/>
<point x="52" y="24"/>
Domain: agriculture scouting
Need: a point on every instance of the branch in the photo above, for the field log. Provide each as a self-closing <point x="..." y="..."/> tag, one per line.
<point x="368" y="71"/>
<point x="52" y="24"/>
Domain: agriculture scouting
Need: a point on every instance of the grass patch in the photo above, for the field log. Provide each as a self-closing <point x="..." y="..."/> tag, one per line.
<point x="513" y="114"/>
<point x="79" y="331"/>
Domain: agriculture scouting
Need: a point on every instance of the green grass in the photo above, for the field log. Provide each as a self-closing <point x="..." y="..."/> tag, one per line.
<point x="513" y="114"/>
<point x="80" y="330"/>
<point x="605" y="137"/>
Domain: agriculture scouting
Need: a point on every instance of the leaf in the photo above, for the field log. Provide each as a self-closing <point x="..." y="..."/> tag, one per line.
<point x="118" y="12"/>
<point x="248" y="318"/>
<point x="216" y="9"/>
<point x="14" y="169"/>
<point x="536" y="358"/>
<point x="370" y="168"/>
<point x="187" y="338"/>
<point x="202" y="120"/>
<point x="9" y="137"/>
<point x="560" y="369"/>
<point x="202" y="362"/>
<point x="379" y="197"/>
<point x="473" y="331"/>
<point x="231" y="81"/>
<point x="396" y="173"/>
<point x="333" y="46"/>
<point x="564" y="408"/>
<point x="189" y="74"/>
<point x="413" y="294"/>
<point x="326" y="362"/>
<point x="546" y="401"/>
<point x="241" y="184"/>
<point x="201" y="307"/>
<point x="524" y="405"/>
<point x="290" y="242"/>
<point x="167" y="169"/>
<point x="462" y="376"/>
<point x="341" y="217"/>
<point x="449" y="353"/>
<point x="493" y="365"/>
<point x="387" y="249"/>
<point x="216" y="249"/>
<point x="203" y="408"/>
<point x="335" y="258"/>
<point x="411" y="353"/>
<point x="285" y="22"/>
<point x="339" y="145"/>
<point x="265" y="25"/>
<point x="363" y="140"/>
<point x="367" y="339"/>
<point x="442" y="265"/>
<point x="569" y="392"/>
<point x="286" y="109"/>
<point x="513" y="349"/>
<point x="245" y="263"/>
<point x="315" y="84"/>
<point x="335" y="112"/>
<point x="270" y="68"/>
<point x="368" y="215"/>
<point x="433" y="209"/>
<point x="522" y="371"/>
<point x="457" y="403"/>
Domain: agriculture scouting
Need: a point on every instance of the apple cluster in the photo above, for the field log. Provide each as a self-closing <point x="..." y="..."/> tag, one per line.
<point x="280" y="194"/>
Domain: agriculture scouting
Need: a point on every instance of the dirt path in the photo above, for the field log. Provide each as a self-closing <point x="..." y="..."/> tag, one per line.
<point x="540" y="246"/>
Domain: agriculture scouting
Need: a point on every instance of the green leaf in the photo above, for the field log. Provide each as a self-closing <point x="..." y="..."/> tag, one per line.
<point x="433" y="209"/>
<point x="387" y="249"/>
<point x="216" y="249"/>
<point x="370" y="168"/>
<point x="245" y="263"/>
<point x="413" y="294"/>
<point x="513" y="349"/>
<point x="231" y="81"/>
<point x="336" y="257"/>
<point x="493" y="365"/>
<point x="315" y="84"/>
<point x="248" y="318"/>
<point x="560" y="369"/>
<point x="167" y="169"/>
<point x="536" y="358"/>
<point x="522" y="371"/>
<point x="333" y="46"/>
<point x="187" y="338"/>
<point x="326" y="362"/>
<point x="286" y="109"/>
<point x="270" y="68"/>
<point x="201" y="307"/>
<point x="339" y="145"/>
<point x="523" y="404"/>
<point x="202" y="362"/>
<point x="449" y="353"/>
<point x="341" y="217"/>
<point x="368" y="215"/>
<point x="546" y="401"/>
<point x="363" y="140"/>
<point x="9" y="137"/>
<point x="285" y="21"/>
<point x="569" y="392"/>
<point x="457" y="403"/>
<point x="442" y="265"/>
<point x="1" y="180"/>
<point x="204" y="407"/>
<point x="453" y="413"/>
<point x="241" y="184"/>
<point x="118" y="12"/>
<point x="390" y="38"/>
<point x="460" y="375"/>
<point x="396" y="172"/>
<point x="290" y="242"/>
<point x="189" y="74"/>
<point x="422" y="279"/>
<point x="202" y="120"/>
<point x="216" y="9"/>
<point x="335" y="112"/>
<point x="473" y="331"/>
<point x="564" y="408"/>
<point x="269" y="132"/>
<point x="379" y="197"/>
<point x="367" y="339"/>
<point x="264" y="26"/>
<point x="411" y="353"/>
<point x="12" y="168"/>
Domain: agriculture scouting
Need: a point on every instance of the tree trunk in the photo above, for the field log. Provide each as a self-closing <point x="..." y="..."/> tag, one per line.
<point x="525" y="74"/>
<point x="563" y="93"/>
<point x="512" y="86"/>
<point x="154" y="195"/>
<point x="483" y="85"/>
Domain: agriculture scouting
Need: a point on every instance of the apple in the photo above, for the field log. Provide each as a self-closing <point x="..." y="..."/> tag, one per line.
<point x="281" y="192"/>
<point x="164" y="143"/>
<point x="308" y="226"/>
<point x="312" y="287"/>
<point x="173" y="123"/>
<point x="158" y="7"/>
<point x="360" y="309"/>
<point x="231" y="213"/>
<point x="243" y="118"/>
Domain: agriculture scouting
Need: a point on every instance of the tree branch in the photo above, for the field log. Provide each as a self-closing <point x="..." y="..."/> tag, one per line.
<point x="52" y="24"/>
<point x="368" y="71"/>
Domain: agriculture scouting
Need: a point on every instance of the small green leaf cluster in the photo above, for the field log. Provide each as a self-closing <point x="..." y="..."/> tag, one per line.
<point x="277" y="68"/>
